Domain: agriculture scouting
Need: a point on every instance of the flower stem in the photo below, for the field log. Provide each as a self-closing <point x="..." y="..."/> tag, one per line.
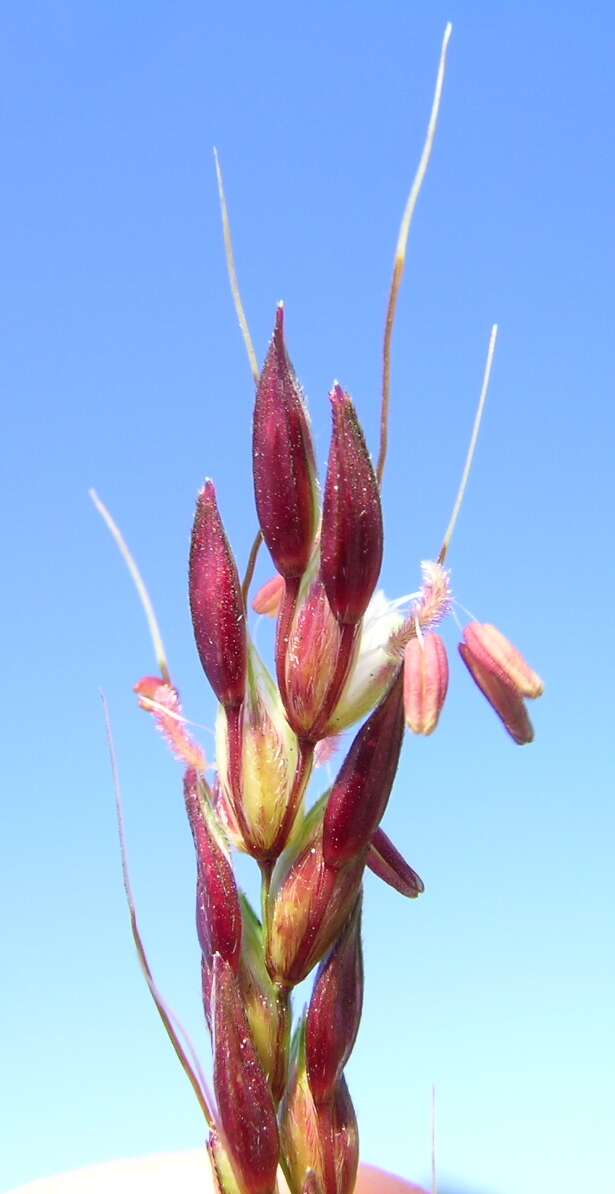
<point x="266" y="866"/>
<point x="279" y="1077"/>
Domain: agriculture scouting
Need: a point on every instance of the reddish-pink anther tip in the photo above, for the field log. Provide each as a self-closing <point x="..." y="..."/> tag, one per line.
<point x="160" y="698"/>
<point x="351" y="542"/>
<point x="146" y="689"/>
<point x="216" y="603"/>
<point x="425" y="682"/>
<point x="269" y="597"/>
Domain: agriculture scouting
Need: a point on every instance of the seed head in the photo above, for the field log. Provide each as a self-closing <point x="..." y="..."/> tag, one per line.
<point x="299" y="1128"/>
<point x="339" y="1134"/>
<point x="351" y="538"/>
<point x="216" y="603"/>
<point x="268" y="749"/>
<point x="283" y="462"/>
<point x="334" y="1012"/>
<point x="268" y="1021"/>
<point x="308" y="903"/>
<point x="218" y="911"/>
<point x="320" y="1142"/>
<point x="311" y="656"/>
<point x="244" y="1099"/>
<point x="361" y="791"/>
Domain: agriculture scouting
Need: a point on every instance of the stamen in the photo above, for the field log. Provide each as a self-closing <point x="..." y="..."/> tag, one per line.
<point x="400" y="254"/>
<point x="472" y="446"/>
<point x="466" y="611"/>
<point x="456" y="618"/>
<point x="139" y="583"/>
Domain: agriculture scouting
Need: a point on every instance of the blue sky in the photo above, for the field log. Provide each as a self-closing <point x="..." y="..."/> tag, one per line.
<point x="122" y="367"/>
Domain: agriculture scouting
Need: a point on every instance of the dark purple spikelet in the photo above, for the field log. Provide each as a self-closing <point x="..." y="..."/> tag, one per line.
<point x="244" y="1099"/>
<point x="334" y="1012"/>
<point x="309" y="906"/>
<point x="361" y="791"/>
<point x="267" y="1011"/>
<point x="283" y="462"/>
<point x="218" y="910"/>
<point x="352" y="537"/>
<point x="216" y="603"/>
<point x="339" y="1141"/>
<point x="385" y="860"/>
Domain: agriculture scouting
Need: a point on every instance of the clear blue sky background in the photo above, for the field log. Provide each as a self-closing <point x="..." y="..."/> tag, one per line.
<point x="122" y="367"/>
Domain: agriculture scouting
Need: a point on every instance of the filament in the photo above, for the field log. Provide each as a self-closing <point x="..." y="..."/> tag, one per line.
<point x="471" y="447"/>
<point x="400" y="253"/>
<point x="232" y="273"/>
<point x="247" y="339"/>
<point x="139" y="584"/>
